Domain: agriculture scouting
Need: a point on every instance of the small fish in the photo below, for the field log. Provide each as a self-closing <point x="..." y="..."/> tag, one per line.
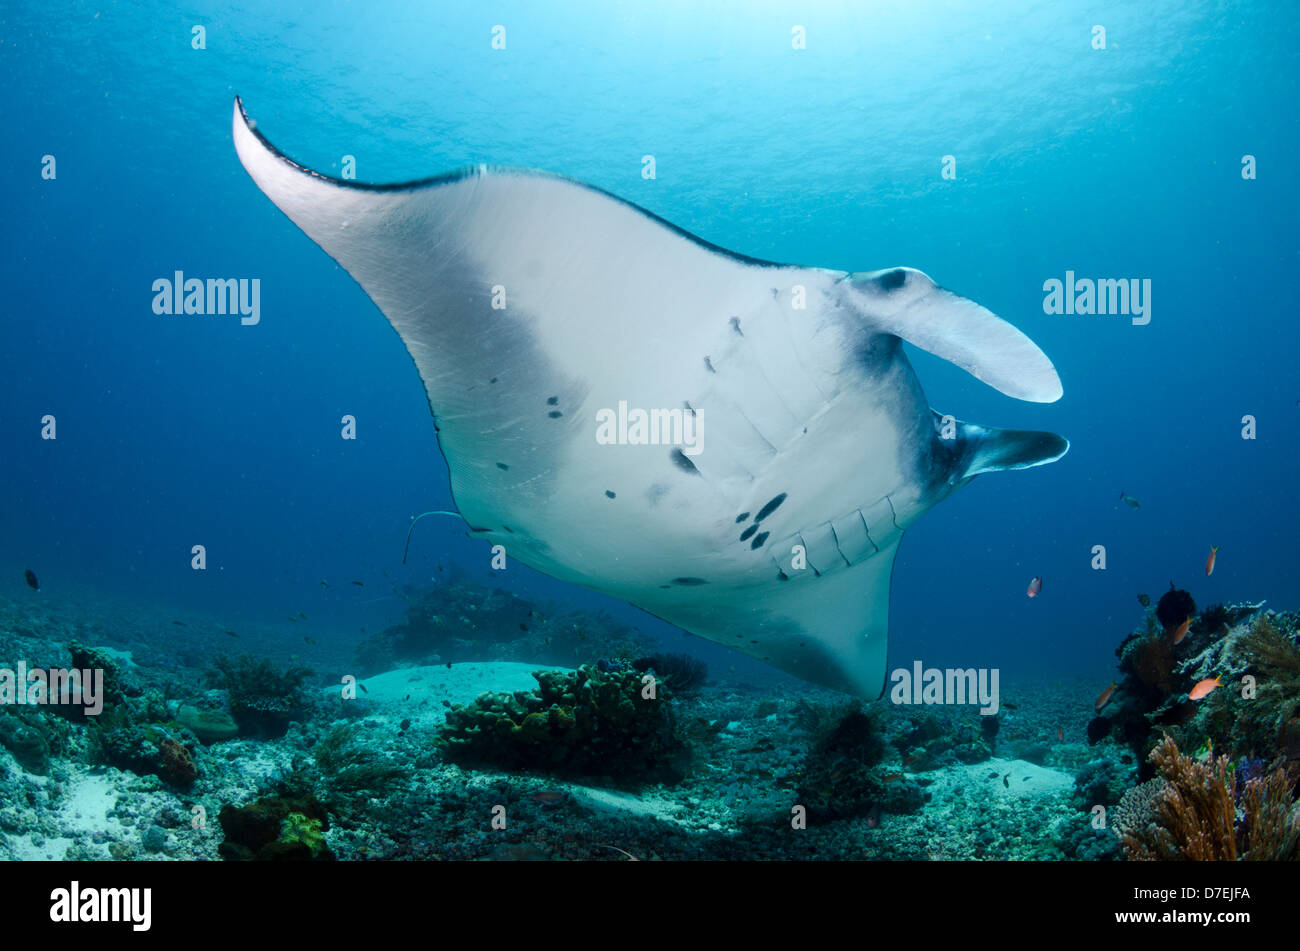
<point x="1209" y="562"/>
<point x="405" y="725"/>
<point x="363" y="630"/>
<point x="1144" y="600"/>
<point x="180" y="623"/>
<point x="1011" y="706"/>
<point x="522" y="626"/>
<point x="294" y="656"/>
<point x="1105" y="696"/>
<point x="301" y="615"/>
<point x="407" y="697"/>
<point x="550" y="797"/>
<point x="1204" y="688"/>
<point x="449" y="665"/>
<point x="911" y="759"/>
<point x="1026" y="779"/>
<point x="231" y="634"/>
<point x="1006" y="780"/>
<point x="1060" y="735"/>
<point x="324" y="583"/>
<point x="1035" y="586"/>
<point x="1181" y="631"/>
<point x="363" y="687"/>
<point x="31" y="580"/>
<point x="1130" y="501"/>
<point x="310" y="640"/>
<point x="873" y="817"/>
<point x="359" y="584"/>
<point x="993" y="775"/>
<point x="892" y="778"/>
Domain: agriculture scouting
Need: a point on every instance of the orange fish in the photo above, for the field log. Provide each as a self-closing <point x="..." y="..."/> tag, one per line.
<point x="893" y="778"/>
<point x="1035" y="586"/>
<point x="1209" y="562"/>
<point x="1060" y="735"/>
<point x="550" y="797"/>
<point x="1181" y="631"/>
<point x="1105" y="696"/>
<point x="1204" y="688"/>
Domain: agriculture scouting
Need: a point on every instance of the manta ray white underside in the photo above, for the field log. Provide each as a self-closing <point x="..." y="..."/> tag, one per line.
<point x="818" y="448"/>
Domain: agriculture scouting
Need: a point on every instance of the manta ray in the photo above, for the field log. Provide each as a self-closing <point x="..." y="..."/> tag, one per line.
<point x="536" y="307"/>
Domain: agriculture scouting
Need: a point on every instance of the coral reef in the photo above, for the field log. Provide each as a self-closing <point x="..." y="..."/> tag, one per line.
<point x="263" y="699"/>
<point x="580" y="723"/>
<point x="276" y="829"/>
<point x="684" y="673"/>
<point x="1248" y="718"/>
<point x="839" y="777"/>
<point x="208" y="724"/>
<point x="1191" y="812"/>
<point x="26" y="742"/>
<point x="149" y="750"/>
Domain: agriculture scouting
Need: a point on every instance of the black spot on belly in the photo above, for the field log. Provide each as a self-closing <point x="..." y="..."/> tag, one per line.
<point x="735" y="325"/>
<point x="782" y="576"/>
<point x="744" y="536"/>
<point x="708" y="365"/>
<point x="689" y="582"/>
<point x="741" y="517"/>
<point x="892" y="280"/>
<point x="609" y="494"/>
<point x="555" y="414"/>
<point x="552" y="400"/>
<point x="769" y="508"/>
<point x="503" y="467"/>
<point x="759" y="539"/>
<point x="683" y="462"/>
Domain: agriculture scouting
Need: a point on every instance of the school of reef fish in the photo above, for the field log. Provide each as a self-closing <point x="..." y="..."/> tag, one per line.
<point x="485" y="726"/>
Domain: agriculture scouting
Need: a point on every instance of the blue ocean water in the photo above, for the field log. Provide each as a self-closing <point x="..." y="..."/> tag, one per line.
<point x="1117" y="163"/>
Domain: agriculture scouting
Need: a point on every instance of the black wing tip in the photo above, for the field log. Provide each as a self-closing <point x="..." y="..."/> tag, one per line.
<point x="434" y="180"/>
<point x="474" y="171"/>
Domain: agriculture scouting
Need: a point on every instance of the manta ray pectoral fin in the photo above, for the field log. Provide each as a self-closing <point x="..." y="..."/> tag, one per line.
<point x="907" y="303"/>
<point x="986" y="449"/>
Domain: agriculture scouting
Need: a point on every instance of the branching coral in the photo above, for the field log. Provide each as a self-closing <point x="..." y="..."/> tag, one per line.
<point x="1191" y="813"/>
